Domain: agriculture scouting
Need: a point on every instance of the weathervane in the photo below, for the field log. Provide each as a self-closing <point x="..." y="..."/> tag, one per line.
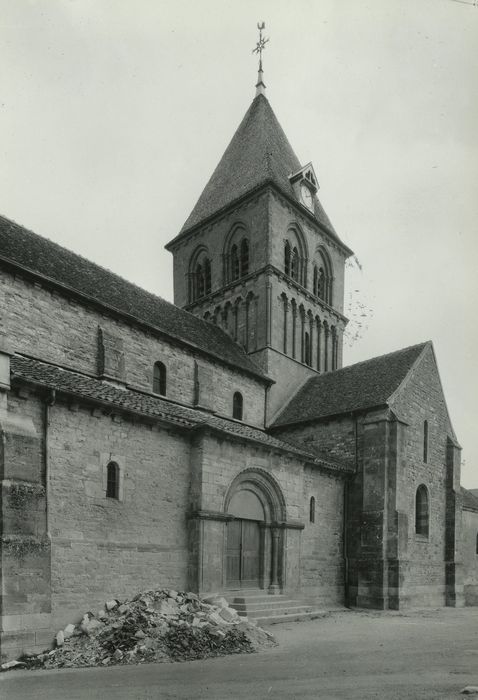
<point x="260" y="46"/>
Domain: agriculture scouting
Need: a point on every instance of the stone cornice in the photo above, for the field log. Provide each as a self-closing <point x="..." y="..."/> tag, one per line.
<point x="267" y="185"/>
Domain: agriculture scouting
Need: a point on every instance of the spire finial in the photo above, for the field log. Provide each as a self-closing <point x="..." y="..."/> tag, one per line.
<point x="260" y="46"/>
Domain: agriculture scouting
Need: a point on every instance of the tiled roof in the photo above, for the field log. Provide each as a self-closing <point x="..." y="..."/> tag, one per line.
<point x="360" y="386"/>
<point x="470" y="500"/>
<point x="259" y="152"/>
<point x="89" y="388"/>
<point x="53" y="262"/>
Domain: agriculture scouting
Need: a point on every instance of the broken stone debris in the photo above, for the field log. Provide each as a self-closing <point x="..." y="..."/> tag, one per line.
<point x="162" y="625"/>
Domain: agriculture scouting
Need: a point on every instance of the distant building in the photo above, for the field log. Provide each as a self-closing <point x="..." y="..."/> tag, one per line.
<point x="216" y="444"/>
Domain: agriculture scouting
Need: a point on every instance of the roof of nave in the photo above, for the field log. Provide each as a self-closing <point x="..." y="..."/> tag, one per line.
<point x="470" y="499"/>
<point x="128" y="400"/>
<point x="357" y="387"/>
<point x="59" y="265"/>
<point x="259" y="152"/>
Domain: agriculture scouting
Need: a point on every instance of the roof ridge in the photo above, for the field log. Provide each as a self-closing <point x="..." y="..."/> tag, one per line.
<point x="210" y="339"/>
<point x="90" y="262"/>
<point x="376" y="357"/>
<point x="361" y="386"/>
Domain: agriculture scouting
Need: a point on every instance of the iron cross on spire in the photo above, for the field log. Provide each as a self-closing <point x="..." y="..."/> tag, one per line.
<point x="261" y="44"/>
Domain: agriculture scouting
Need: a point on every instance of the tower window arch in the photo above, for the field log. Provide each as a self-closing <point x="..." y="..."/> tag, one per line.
<point x="287" y="254"/>
<point x="421" y="511"/>
<point x="244" y="257"/>
<point x="159" y="378"/>
<point x="237" y="405"/>
<point x="112" y="480"/>
<point x="425" y="441"/>
<point x="234" y="263"/>
<point x="295" y="255"/>
<point x="294" y="264"/>
<point x="307" y="353"/>
<point x="323" y="276"/>
<point x="200" y="275"/>
<point x="312" y="509"/>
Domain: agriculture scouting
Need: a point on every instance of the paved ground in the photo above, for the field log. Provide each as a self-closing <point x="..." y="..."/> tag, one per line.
<point x="421" y="656"/>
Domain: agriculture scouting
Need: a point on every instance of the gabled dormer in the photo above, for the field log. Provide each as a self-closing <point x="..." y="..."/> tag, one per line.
<point x="305" y="185"/>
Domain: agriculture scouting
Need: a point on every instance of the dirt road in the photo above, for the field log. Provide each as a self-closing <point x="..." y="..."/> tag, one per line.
<point x="421" y="656"/>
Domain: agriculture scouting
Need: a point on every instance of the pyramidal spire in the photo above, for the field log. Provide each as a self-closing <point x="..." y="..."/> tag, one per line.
<point x="260" y="46"/>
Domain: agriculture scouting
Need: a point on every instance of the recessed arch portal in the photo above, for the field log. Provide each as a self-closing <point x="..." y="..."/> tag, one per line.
<point x="255" y="506"/>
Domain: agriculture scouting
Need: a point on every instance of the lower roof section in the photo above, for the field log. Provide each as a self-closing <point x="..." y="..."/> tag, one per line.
<point x="81" y="387"/>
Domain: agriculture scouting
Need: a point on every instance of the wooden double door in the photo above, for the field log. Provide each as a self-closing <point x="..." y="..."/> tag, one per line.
<point x="243" y="553"/>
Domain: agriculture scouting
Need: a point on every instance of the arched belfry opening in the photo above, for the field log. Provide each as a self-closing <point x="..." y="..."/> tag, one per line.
<point x="254" y="542"/>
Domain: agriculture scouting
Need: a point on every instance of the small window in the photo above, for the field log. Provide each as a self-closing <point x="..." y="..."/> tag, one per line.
<point x="207" y="276"/>
<point x="244" y="257"/>
<point x="312" y="510"/>
<point x="421" y="511"/>
<point x="234" y="263"/>
<point x="237" y="406"/>
<point x="159" y="378"/>
<point x="287" y="258"/>
<point x="307" y="353"/>
<point x="294" y="264"/>
<point x="425" y="441"/>
<point x="112" y="480"/>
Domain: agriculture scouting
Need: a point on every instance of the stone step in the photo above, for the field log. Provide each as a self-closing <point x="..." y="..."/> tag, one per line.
<point x="293" y="617"/>
<point x="274" y="612"/>
<point x="259" y="605"/>
<point x="256" y="598"/>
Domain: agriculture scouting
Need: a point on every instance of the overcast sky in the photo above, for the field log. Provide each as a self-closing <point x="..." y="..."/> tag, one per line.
<point x="114" y="113"/>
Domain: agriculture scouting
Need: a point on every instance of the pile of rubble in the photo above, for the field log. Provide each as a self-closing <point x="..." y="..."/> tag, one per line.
<point x="161" y="625"/>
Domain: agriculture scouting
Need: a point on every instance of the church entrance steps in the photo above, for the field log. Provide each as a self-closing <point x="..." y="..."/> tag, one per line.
<point x="270" y="609"/>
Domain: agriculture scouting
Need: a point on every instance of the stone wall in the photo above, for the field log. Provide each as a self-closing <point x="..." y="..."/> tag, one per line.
<point x="56" y="329"/>
<point x="103" y="547"/>
<point x="424" y="570"/>
<point x="322" y="553"/>
<point x="85" y="548"/>
<point x="311" y="558"/>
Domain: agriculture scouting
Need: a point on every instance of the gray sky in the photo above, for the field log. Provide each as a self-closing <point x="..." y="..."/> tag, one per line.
<point x="114" y="113"/>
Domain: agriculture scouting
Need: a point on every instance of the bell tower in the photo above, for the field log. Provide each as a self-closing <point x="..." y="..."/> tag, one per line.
<point x="259" y="257"/>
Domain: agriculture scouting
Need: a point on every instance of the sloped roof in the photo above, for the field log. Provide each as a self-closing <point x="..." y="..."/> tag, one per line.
<point x="55" y="263"/>
<point x="470" y="500"/>
<point x="259" y="152"/>
<point x="85" y="387"/>
<point x="356" y="387"/>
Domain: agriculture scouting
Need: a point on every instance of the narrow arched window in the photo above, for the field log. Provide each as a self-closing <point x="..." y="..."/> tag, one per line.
<point x="294" y="264"/>
<point x="312" y="510"/>
<point x="234" y="263"/>
<point x="425" y="441"/>
<point x="112" y="480"/>
<point x="207" y="276"/>
<point x="316" y="280"/>
<point x="287" y="258"/>
<point x="321" y="284"/>
<point x="307" y="358"/>
<point x="244" y="257"/>
<point x="159" y="378"/>
<point x="237" y="403"/>
<point x="199" y="281"/>
<point x="421" y="511"/>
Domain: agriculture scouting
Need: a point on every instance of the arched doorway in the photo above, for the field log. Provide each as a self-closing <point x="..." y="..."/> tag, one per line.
<point x="255" y="509"/>
<point x="243" y="547"/>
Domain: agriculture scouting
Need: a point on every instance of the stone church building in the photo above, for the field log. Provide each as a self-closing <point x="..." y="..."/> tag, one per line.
<point x="217" y="444"/>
